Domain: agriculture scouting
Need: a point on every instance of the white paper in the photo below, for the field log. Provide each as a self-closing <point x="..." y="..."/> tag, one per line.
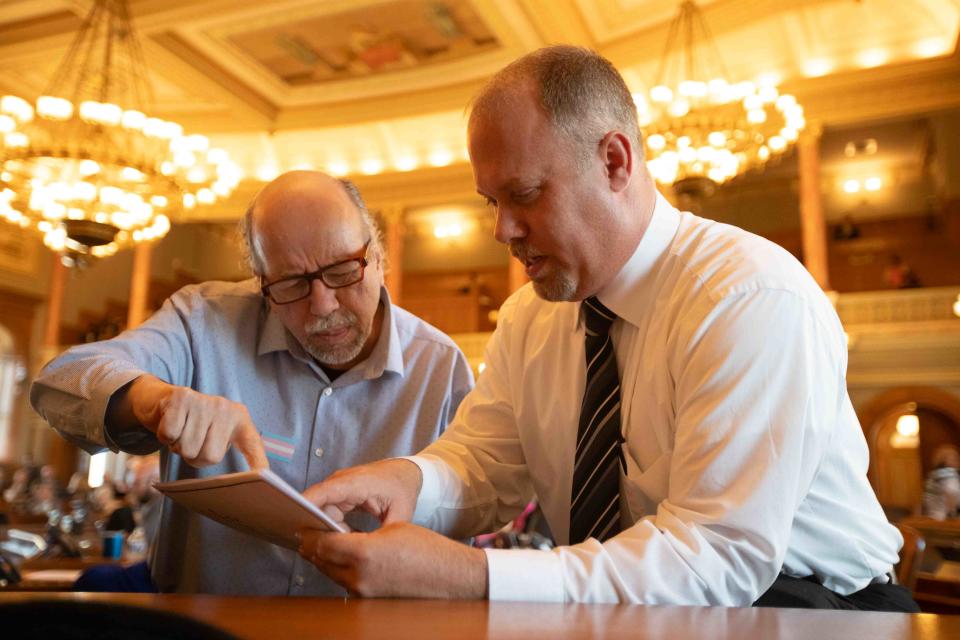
<point x="256" y="502"/>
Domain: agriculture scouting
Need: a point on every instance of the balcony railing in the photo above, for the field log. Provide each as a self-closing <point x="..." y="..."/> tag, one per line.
<point x="927" y="305"/>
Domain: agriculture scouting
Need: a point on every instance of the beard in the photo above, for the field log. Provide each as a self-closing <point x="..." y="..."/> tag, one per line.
<point x="557" y="285"/>
<point x="335" y="355"/>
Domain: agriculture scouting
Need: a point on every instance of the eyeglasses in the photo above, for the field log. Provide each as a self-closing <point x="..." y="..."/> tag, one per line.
<point x="335" y="276"/>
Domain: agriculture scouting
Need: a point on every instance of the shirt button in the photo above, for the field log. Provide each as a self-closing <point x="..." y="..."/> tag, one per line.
<point x="318" y="452"/>
<point x="327" y="391"/>
<point x="298" y="581"/>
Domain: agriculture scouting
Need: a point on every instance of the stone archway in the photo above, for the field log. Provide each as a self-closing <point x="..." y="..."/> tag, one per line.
<point x="897" y="474"/>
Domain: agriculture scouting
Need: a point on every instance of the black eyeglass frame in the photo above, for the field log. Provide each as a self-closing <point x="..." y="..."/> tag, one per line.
<point x="360" y="257"/>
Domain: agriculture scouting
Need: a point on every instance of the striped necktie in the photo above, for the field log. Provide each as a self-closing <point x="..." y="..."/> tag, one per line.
<point x="595" y="493"/>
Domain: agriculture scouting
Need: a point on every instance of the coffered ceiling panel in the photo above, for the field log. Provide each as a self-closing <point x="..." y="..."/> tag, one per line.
<point x="360" y="42"/>
<point x="302" y="53"/>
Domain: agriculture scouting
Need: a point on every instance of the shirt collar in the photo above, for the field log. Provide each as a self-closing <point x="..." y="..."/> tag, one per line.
<point x="625" y="295"/>
<point x="387" y="354"/>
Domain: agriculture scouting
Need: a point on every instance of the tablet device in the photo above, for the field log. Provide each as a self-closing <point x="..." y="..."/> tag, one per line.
<point x="259" y="503"/>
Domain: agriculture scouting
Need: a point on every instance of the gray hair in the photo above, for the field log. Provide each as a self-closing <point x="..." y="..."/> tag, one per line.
<point x="255" y="261"/>
<point x="581" y="92"/>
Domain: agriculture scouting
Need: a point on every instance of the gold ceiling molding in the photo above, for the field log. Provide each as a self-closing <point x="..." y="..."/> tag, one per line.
<point x="885" y="92"/>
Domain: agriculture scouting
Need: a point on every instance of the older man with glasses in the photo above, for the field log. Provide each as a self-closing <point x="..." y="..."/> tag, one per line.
<point x="308" y="368"/>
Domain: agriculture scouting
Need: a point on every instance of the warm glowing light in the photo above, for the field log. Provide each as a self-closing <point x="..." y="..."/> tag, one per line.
<point x="338" y="168"/>
<point x="679" y="108"/>
<point x="79" y="156"/>
<point x="769" y="79"/>
<point x="405" y="163"/>
<point x="908" y="425"/>
<point x="873" y="183"/>
<point x="692" y="88"/>
<point x="930" y="47"/>
<point x="16" y="140"/>
<point x="267" y="172"/>
<point x="16" y="107"/>
<point x="705" y="128"/>
<point x="851" y="186"/>
<point x="656" y="141"/>
<point x="660" y="93"/>
<point x="777" y="143"/>
<point x="131" y="174"/>
<point x="816" y="67"/>
<point x="956" y="307"/>
<point x="450" y="230"/>
<point x="440" y="157"/>
<point x="873" y="57"/>
<point x="371" y="166"/>
<point x="717" y="138"/>
<point x="54" y="108"/>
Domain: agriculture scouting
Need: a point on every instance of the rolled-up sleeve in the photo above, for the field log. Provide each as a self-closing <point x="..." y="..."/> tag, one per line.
<point x="73" y="390"/>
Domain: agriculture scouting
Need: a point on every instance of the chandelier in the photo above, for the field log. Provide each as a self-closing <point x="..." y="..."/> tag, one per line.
<point x="93" y="176"/>
<point x="702" y="129"/>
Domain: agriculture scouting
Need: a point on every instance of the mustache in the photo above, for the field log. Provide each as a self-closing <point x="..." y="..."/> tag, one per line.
<point x="335" y="320"/>
<point x="522" y="251"/>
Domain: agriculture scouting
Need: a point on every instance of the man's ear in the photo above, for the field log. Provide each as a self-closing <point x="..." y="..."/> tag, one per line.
<point x="617" y="153"/>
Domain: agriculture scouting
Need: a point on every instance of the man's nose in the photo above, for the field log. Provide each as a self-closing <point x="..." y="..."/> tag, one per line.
<point x="323" y="299"/>
<point x="509" y="227"/>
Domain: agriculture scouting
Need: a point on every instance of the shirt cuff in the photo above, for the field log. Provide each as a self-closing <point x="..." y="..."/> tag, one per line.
<point x="431" y="488"/>
<point x="106" y="387"/>
<point x="524" y="574"/>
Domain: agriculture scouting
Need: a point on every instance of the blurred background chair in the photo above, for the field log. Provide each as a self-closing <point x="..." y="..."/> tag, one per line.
<point x="910" y="556"/>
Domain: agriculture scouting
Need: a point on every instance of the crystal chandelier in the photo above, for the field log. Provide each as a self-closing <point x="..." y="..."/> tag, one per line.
<point x="91" y="175"/>
<point x="702" y="129"/>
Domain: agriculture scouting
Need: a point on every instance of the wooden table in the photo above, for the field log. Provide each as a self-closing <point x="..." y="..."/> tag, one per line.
<point x="274" y="618"/>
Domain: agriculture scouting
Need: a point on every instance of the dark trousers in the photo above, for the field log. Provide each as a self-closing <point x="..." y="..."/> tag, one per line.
<point x="808" y="593"/>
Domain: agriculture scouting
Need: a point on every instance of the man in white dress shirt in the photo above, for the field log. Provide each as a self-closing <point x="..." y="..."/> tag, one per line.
<point x="738" y="466"/>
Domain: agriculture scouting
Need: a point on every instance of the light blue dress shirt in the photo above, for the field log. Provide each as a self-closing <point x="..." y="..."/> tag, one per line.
<point x="220" y="339"/>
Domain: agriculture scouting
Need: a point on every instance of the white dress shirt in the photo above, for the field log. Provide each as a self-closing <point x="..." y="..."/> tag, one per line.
<point x="744" y="455"/>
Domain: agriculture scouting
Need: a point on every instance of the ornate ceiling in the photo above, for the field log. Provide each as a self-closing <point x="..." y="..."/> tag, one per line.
<point x="378" y="87"/>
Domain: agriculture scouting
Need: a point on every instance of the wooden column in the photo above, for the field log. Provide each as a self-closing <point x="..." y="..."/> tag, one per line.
<point x="51" y="325"/>
<point x="393" y="238"/>
<point x="61" y="455"/>
<point x="812" y="224"/>
<point x="139" y="284"/>
<point x="517" y="276"/>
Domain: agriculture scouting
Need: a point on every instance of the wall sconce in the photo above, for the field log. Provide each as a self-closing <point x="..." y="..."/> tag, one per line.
<point x="907" y="433"/>
<point x="908" y="425"/>
<point x="853" y="185"/>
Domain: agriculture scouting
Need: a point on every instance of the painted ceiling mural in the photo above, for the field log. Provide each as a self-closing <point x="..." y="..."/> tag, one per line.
<point x="401" y="34"/>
